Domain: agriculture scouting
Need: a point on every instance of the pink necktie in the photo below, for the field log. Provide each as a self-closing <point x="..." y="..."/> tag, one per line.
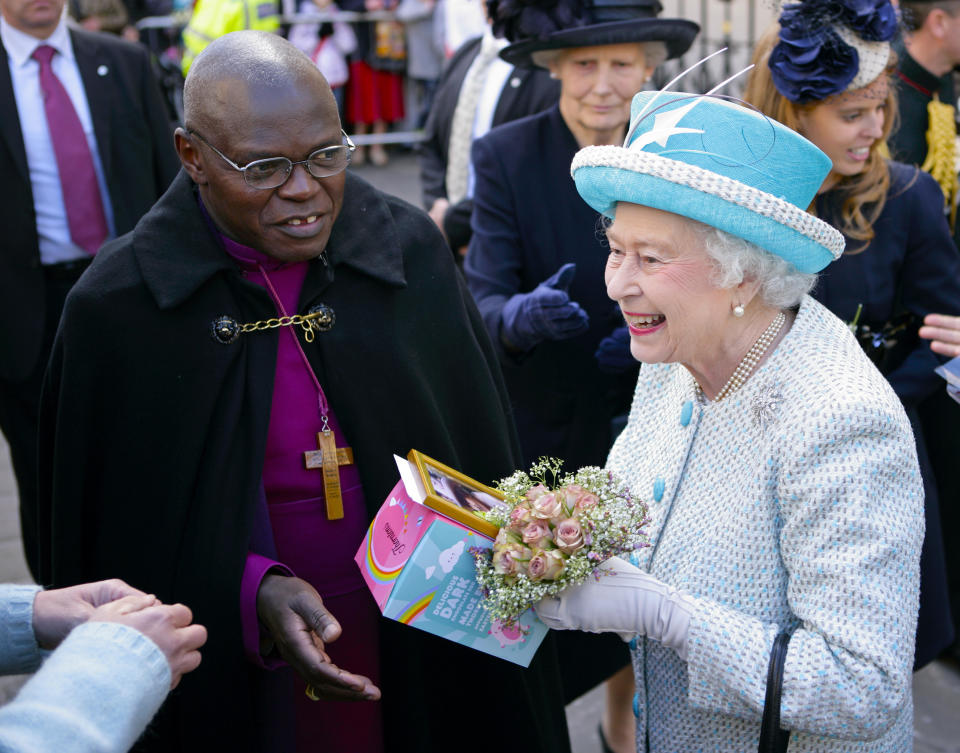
<point x="78" y="178"/>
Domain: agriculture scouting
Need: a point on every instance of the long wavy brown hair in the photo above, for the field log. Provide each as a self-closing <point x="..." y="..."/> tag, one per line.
<point x="863" y="195"/>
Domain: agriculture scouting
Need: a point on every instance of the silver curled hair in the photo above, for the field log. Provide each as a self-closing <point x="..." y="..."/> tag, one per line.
<point x="735" y="259"/>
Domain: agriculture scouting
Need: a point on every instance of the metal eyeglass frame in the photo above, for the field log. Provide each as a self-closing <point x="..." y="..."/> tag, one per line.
<point x="291" y="164"/>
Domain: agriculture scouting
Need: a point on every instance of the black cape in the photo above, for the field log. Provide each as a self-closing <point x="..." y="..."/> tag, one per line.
<point x="153" y="436"/>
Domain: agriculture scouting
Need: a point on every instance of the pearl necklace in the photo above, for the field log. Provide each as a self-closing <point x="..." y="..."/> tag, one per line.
<point x="750" y="360"/>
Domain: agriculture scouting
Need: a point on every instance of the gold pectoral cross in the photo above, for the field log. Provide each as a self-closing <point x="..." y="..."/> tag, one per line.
<point x="329" y="458"/>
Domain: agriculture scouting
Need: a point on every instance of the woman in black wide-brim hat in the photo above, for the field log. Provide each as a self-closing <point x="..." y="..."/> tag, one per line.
<point x="535" y="263"/>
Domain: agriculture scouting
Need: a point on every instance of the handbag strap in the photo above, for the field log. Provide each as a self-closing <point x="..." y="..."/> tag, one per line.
<point x="773" y="739"/>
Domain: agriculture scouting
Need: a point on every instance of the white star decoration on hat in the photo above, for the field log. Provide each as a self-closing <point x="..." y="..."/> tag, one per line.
<point x="665" y="126"/>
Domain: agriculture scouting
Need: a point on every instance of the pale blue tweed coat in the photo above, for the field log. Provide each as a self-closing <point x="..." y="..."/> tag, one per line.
<point x="796" y="500"/>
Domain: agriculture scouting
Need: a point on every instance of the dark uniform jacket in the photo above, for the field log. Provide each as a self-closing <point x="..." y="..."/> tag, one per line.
<point x="915" y="88"/>
<point x="939" y="415"/>
<point x="911" y="265"/>
<point x="153" y="435"/>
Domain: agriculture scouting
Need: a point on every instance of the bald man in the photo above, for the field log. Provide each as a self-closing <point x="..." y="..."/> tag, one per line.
<point x="238" y="460"/>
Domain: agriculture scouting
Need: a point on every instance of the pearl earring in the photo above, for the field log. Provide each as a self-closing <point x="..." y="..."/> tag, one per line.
<point x="738" y="311"/>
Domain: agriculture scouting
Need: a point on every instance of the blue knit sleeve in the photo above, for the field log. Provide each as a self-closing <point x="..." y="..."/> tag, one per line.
<point x="96" y="692"/>
<point x="19" y="652"/>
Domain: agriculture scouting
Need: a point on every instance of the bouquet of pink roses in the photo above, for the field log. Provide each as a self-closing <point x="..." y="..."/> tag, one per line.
<point x="554" y="533"/>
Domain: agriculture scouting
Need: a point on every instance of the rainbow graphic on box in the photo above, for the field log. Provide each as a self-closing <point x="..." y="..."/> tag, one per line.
<point x="419" y="569"/>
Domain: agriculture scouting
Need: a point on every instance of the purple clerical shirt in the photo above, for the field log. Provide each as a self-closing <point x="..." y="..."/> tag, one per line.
<point x="306" y="542"/>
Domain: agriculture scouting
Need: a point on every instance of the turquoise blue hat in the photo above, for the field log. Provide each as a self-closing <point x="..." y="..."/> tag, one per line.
<point x="723" y="164"/>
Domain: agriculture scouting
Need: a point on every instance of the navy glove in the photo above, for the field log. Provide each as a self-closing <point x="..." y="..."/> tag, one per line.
<point x="613" y="353"/>
<point x="545" y="313"/>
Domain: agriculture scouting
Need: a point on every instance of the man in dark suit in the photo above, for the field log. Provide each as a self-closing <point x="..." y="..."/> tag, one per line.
<point x="513" y="92"/>
<point x="85" y="149"/>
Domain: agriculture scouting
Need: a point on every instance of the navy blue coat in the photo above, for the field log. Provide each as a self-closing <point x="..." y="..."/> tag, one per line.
<point x="910" y="265"/>
<point x="528" y="221"/>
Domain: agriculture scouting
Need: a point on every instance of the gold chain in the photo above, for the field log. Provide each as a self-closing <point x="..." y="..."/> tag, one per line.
<point x="304" y="321"/>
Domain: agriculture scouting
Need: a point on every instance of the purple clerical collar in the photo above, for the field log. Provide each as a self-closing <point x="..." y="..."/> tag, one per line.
<point x="245" y="256"/>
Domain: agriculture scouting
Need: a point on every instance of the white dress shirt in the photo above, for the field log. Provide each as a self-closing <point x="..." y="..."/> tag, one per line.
<point x="493" y="84"/>
<point x="52" y="227"/>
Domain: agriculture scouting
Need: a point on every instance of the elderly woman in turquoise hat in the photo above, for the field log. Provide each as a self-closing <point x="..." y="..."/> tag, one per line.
<point x="778" y="464"/>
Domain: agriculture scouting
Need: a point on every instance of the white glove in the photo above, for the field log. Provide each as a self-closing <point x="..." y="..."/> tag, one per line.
<point x="624" y="600"/>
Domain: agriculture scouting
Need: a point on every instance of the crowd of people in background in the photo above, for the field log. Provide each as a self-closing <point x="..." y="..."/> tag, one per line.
<point x="172" y="181"/>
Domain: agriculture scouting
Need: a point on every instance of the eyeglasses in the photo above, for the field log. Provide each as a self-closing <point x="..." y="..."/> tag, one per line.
<point x="274" y="171"/>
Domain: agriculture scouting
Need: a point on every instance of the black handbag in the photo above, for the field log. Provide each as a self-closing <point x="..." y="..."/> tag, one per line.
<point x="773" y="739"/>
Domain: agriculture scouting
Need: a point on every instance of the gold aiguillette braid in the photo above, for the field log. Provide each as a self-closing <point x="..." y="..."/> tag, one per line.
<point x="942" y="152"/>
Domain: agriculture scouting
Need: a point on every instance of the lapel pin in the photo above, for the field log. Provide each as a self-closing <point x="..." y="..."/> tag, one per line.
<point x="102" y="70"/>
<point x="515" y="82"/>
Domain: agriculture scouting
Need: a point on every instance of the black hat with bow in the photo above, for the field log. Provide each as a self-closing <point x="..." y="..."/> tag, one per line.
<point x="536" y="25"/>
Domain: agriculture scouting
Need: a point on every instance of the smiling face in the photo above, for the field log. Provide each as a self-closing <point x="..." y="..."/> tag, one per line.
<point x="661" y="277"/>
<point x="38" y="18"/>
<point x="847" y="127"/>
<point x="597" y="85"/>
<point x="291" y="222"/>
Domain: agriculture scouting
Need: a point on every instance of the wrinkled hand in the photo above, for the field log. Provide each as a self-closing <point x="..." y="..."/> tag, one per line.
<point x="300" y="625"/>
<point x="545" y="313"/>
<point x="944" y="331"/>
<point x="613" y="353"/>
<point x="58" y="611"/>
<point x="623" y="600"/>
<point x="167" y="625"/>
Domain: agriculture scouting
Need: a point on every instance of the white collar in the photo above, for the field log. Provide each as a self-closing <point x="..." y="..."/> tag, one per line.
<point x="20" y="45"/>
<point x="491" y="44"/>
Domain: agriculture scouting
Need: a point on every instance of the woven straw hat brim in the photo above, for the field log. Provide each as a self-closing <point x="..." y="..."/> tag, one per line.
<point x="606" y="175"/>
<point x="677" y="33"/>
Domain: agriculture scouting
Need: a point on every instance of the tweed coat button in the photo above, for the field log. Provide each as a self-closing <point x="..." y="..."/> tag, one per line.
<point x="636" y="705"/>
<point x="634" y="559"/>
<point x="633" y="644"/>
<point x="658" y="487"/>
<point x="686" y="413"/>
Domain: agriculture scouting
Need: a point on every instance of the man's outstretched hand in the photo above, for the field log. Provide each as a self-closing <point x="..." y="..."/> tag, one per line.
<point x="300" y="625"/>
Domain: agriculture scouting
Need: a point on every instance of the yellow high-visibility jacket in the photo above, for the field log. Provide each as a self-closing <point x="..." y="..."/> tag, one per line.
<point x="214" y="18"/>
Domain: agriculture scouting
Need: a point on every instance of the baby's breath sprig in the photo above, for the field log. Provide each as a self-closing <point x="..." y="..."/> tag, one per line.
<point x="554" y="534"/>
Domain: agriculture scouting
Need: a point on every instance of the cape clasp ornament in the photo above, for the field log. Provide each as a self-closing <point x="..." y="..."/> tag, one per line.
<point x="319" y="318"/>
<point x="325" y="317"/>
<point x="225" y="330"/>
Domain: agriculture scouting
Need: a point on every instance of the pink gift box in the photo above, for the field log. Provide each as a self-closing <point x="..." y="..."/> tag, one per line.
<point x="419" y="568"/>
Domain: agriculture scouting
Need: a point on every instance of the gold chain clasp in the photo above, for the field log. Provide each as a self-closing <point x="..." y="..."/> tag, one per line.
<point x="304" y="321"/>
<point x="320" y="318"/>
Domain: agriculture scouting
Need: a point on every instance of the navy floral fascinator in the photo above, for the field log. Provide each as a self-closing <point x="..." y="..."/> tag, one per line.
<point x="535" y="25"/>
<point x="829" y="46"/>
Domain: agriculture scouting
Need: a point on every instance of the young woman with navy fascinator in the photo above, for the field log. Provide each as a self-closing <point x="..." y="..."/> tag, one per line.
<point x="824" y="71"/>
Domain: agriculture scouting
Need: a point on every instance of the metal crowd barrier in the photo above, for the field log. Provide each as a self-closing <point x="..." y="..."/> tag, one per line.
<point x="176" y="21"/>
